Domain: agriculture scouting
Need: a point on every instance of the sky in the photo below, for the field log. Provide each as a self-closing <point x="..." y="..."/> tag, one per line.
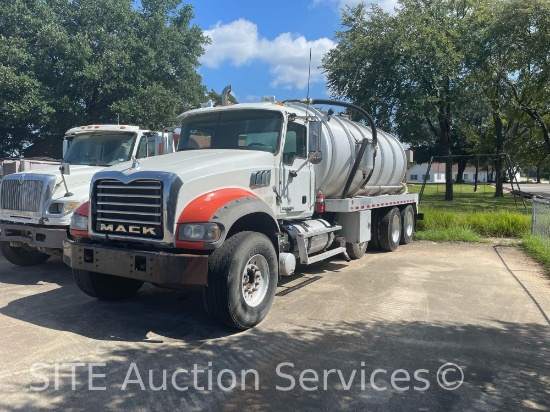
<point x="262" y="47"/>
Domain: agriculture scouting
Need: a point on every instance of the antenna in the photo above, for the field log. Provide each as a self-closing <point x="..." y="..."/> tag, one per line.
<point x="308" y="78"/>
<point x="308" y="74"/>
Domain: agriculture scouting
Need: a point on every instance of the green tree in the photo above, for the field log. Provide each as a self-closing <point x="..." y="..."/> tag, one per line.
<point x="508" y="57"/>
<point x="217" y="97"/>
<point x="407" y="69"/>
<point x="99" y="61"/>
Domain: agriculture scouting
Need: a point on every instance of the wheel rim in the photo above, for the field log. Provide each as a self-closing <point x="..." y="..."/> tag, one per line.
<point x="395" y="229"/>
<point x="255" y="280"/>
<point x="362" y="245"/>
<point x="409" y="223"/>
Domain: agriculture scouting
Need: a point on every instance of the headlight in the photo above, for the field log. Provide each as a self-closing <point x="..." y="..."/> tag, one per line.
<point x="55" y="208"/>
<point x="70" y="206"/>
<point x="59" y="208"/>
<point x="204" y="232"/>
<point x="79" y="222"/>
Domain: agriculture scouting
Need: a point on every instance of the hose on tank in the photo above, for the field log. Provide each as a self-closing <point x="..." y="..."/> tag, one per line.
<point x="364" y="143"/>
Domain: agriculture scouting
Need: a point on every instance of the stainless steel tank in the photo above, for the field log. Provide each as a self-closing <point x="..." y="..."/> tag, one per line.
<point x="340" y="142"/>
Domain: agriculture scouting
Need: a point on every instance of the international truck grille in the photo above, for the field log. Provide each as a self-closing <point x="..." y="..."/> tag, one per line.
<point x="133" y="209"/>
<point x="21" y="195"/>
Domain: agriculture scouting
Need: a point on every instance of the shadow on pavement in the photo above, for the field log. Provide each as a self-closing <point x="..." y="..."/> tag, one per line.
<point x="53" y="271"/>
<point x="506" y="367"/>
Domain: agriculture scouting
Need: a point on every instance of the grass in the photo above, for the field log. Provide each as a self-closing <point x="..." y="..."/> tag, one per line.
<point x="466" y="200"/>
<point x="537" y="248"/>
<point x="483" y="223"/>
<point x="470" y="216"/>
<point x="453" y="234"/>
<point x="473" y="217"/>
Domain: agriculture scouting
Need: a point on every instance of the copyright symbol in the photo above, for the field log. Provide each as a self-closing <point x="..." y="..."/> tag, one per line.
<point x="450" y="376"/>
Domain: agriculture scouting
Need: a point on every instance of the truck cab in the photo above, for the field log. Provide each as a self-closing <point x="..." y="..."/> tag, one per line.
<point x="36" y="207"/>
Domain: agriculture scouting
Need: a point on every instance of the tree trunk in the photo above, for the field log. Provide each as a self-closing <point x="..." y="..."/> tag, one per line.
<point x="538" y="173"/>
<point x="499" y="192"/>
<point x="499" y="134"/>
<point x="460" y="172"/>
<point x="449" y="179"/>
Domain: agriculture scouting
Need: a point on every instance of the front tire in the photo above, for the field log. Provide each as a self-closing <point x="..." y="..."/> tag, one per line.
<point x="356" y="250"/>
<point x="242" y="280"/>
<point x="106" y="287"/>
<point x="22" y="256"/>
<point x="390" y="229"/>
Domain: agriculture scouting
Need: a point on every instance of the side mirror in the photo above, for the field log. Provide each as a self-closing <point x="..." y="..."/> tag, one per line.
<point x="65" y="146"/>
<point x="65" y="169"/>
<point x="315" y="155"/>
<point x="315" y="158"/>
<point x="315" y="136"/>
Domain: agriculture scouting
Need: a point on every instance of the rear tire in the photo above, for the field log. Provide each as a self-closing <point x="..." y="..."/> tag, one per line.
<point x="390" y="229"/>
<point x="242" y="280"/>
<point x="22" y="256"/>
<point x="106" y="287"/>
<point x="407" y="225"/>
<point x="356" y="250"/>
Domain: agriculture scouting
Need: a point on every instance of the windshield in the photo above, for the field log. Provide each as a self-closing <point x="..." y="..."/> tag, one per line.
<point x="232" y="129"/>
<point x="100" y="149"/>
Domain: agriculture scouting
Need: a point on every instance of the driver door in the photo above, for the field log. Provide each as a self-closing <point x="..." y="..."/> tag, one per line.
<point x="297" y="192"/>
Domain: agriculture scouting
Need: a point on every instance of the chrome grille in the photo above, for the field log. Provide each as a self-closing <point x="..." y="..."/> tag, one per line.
<point x="21" y="195"/>
<point x="132" y="209"/>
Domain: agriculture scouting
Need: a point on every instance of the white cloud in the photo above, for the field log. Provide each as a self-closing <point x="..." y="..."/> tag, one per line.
<point x="287" y="55"/>
<point x="386" y="5"/>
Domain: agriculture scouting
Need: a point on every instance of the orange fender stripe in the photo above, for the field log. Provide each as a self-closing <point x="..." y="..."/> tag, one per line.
<point x="203" y="207"/>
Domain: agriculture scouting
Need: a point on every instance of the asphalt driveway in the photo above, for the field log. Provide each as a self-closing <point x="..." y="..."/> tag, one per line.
<point x="428" y="327"/>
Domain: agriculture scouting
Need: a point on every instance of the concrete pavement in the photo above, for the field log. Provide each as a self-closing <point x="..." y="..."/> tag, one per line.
<point x="542" y="189"/>
<point x="374" y="334"/>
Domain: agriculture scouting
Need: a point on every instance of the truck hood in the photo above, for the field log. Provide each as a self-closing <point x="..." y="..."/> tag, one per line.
<point x="80" y="174"/>
<point x="198" y="163"/>
<point x="78" y="183"/>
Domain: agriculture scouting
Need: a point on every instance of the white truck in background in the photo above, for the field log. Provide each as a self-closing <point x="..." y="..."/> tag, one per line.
<point x="252" y="189"/>
<point x="36" y="206"/>
<point x="9" y="166"/>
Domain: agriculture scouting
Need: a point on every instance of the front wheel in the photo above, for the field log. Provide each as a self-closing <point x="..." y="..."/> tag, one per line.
<point x="356" y="250"/>
<point x="22" y="256"/>
<point x="106" y="287"/>
<point x="242" y="280"/>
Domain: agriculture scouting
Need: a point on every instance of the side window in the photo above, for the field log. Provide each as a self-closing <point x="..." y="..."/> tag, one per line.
<point x="145" y="145"/>
<point x="151" y="145"/>
<point x="295" y="143"/>
<point x="142" y="148"/>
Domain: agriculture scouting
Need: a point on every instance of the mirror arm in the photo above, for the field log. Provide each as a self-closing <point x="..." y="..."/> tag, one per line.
<point x="294" y="173"/>
<point x="62" y="170"/>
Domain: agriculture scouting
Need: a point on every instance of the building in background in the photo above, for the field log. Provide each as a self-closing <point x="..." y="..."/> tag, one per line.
<point x="416" y="173"/>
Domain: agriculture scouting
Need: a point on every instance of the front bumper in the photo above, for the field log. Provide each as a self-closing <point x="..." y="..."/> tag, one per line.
<point x="38" y="236"/>
<point x="166" y="269"/>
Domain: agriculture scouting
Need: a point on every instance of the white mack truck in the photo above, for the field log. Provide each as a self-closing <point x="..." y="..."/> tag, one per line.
<point x="36" y="206"/>
<point x="253" y="189"/>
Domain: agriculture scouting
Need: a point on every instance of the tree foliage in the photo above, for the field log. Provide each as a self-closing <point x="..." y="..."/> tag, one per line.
<point x="449" y="77"/>
<point x="73" y="62"/>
